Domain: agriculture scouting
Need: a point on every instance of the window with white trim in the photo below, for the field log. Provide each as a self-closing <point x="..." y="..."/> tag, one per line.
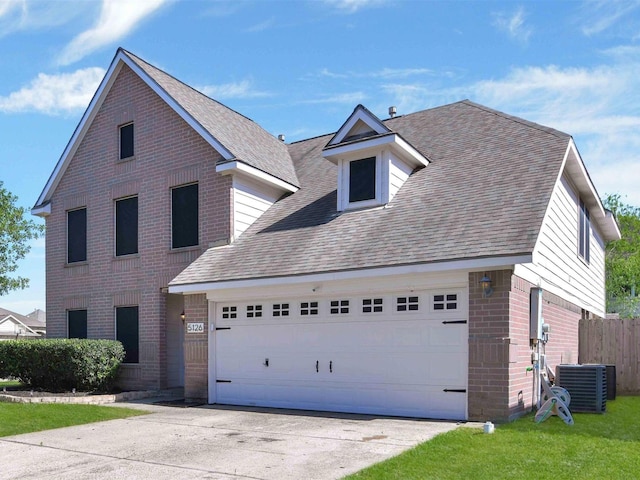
<point x="280" y="309"/>
<point x="371" y="305"/>
<point x="405" y="304"/>
<point x="448" y="301"/>
<point x="339" y="307"/>
<point x="230" y="312"/>
<point x="584" y="232"/>
<point x="254" y="311"/>
<point x="308" y="308"/>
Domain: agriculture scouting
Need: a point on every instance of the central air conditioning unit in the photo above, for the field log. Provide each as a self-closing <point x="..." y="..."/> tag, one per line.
<point x="587" y="385"/>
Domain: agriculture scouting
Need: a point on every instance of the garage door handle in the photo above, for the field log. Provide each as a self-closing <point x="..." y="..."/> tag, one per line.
<point x="455" y="390"/>
<point x="330" y="366"/>
<point x="317" y="366"/>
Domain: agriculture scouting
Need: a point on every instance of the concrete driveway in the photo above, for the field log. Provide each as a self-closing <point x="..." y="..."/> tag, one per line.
<point x="213" y="442"/>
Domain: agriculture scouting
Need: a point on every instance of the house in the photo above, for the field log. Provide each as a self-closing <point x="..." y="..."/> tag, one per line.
<point x="14" y="326"/>
<point x="386" y="268"/>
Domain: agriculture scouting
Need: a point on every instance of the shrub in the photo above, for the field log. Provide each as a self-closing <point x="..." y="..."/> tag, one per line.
<point x="62" y="364"/>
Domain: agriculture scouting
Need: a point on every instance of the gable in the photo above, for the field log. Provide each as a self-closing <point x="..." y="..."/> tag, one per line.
<point x="360" y="124"/>
<point x="233" y="136"/>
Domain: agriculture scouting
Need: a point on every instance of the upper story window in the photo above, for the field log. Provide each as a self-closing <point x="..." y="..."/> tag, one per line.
<point x="184" y="216"/>
<point x="126" y="141"/>
<point x="584" y="232"/>
<point x="373" y="161"/>
<point x="362" y="180"/>
<point x="77" y="235"/>
<point x="126" y="226"/>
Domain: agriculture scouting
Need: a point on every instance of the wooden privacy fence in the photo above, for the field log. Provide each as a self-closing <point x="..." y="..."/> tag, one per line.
<point x="613" y="342"/>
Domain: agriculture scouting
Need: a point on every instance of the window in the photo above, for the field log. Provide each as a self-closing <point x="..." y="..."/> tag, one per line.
<point x="127" y="332"/>
<point x="339" y="306"/>
<point x="77" y="324"/>
<point x="254" y="311"/>
<point x="362" y="180"/>
<point x="184" y="216"/>
<point x="308" y="308"/>
<point x="127" y="226"/>
<point x="126" y="141"/>
<point x="404" y="304"/>
<point x="445" y="302"/>
<point x="370" y="305"/>
<point x="280" y="309"/>
<point x="229" y="312"/>
<point x="77" y="235"/>
<point x="584" y="232"/>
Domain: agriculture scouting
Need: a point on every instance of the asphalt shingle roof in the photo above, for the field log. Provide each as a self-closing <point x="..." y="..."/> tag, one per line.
<point x="247" y="141"/>
<point x="484" y="194"/>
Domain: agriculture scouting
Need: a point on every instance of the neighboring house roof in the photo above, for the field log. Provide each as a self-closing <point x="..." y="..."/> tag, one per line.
<point x="20" y="323"/>
<point x="236" y="137"/>
<point x="485" y="194"/>
<point x="37" y="320"/>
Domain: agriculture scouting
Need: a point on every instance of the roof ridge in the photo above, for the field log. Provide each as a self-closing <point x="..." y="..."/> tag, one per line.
<point x="137" y="58"/>
<point x="514" y="118"/>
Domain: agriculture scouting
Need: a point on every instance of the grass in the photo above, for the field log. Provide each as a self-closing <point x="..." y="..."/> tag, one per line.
<point x="597" y="446"/>
<point x="9" y="383"/>
<point x="16" y="418"/>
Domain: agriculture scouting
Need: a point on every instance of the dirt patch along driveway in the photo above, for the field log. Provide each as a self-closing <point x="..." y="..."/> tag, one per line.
<point x="214" y="442"/>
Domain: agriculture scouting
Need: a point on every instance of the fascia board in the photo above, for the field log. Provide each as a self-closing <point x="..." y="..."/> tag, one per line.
<point x="581" y="179"/>
<point x="80" y="131"/>
<point x="470" y="265"/>
<point x="233" y="167"/>
<point x="92" y="110"/>
<point x="394" y="141"/>
<point x="42" y="210"/>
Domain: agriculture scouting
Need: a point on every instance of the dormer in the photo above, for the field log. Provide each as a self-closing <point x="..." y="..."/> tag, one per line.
<point x="373" y="161"/>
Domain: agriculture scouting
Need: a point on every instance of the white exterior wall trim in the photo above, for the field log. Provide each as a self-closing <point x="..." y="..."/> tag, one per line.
<point x="495" y="263"/>
<point x="235" y="167"/>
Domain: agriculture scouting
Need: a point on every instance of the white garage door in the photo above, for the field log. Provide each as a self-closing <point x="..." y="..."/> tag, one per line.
<point x="402" y="354"/>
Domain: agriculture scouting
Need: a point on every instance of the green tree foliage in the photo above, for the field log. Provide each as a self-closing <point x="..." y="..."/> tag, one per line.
<point x="16" y="229"/>
<point x="623" y="260"/>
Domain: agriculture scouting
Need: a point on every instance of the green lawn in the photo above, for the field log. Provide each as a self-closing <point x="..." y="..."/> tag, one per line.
<point x="9" y="383"/>
<point x="598" y="446"/>
<point x="18" y="418"/>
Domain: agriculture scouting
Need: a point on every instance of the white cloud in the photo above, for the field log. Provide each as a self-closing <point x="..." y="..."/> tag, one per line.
<point x="55" y="94"/>
<point x="20" y="15"/>
<point x="600" y="16"/>
<point x="513" y="24"/>
<point x="352" y="6"/>
<point x="243" y="89"/>
<point x="260" y="27"/>
<point x="117" y="18"/>
<point x="350" y="98"/>
<point x="385" y="73"/>
<point x="598" y="106"/>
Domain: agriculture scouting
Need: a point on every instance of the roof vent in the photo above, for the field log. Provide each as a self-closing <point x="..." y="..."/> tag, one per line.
<point x="392" y="111"/>
<point x="281" y="137"/>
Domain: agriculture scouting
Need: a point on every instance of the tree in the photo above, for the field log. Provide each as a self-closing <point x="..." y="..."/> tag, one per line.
<point x="16" y="229"/>
<point x="623" y="260"/>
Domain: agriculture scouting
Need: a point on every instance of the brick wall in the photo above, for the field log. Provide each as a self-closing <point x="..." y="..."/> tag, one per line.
<point x="196" y="349"/>
<point x="500" y="387"/>
<point x="167" y="153"/>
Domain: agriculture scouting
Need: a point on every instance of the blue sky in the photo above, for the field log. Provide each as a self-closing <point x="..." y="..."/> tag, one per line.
<point x="300" y="67"/>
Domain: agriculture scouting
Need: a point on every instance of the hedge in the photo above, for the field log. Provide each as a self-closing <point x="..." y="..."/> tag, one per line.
<point x="62" y="364"/>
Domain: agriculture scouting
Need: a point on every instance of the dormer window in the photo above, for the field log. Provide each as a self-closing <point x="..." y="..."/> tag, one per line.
<point x="373" y="161"/>
<point x="362" y="180"/>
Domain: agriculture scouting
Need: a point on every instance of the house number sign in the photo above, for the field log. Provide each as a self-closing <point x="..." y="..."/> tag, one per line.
<point x="195" y="327"/>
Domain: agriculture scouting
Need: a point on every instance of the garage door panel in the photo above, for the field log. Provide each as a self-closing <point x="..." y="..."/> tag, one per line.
<point x="391" y="364"/>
